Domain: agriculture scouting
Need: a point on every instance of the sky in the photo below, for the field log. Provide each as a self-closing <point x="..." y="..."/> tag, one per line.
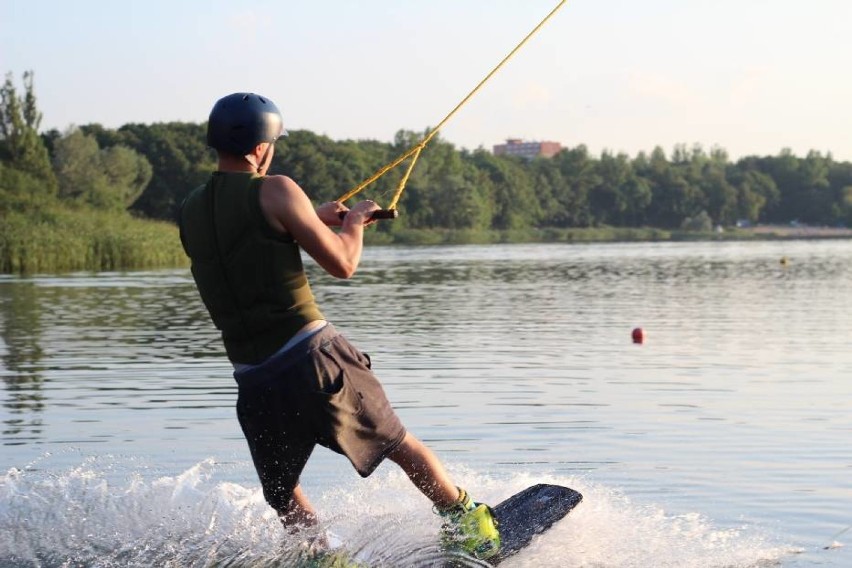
<point x="749" y="76"/>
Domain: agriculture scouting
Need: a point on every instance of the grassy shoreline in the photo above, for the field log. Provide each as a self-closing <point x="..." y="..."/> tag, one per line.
<point x="67" y="241"/>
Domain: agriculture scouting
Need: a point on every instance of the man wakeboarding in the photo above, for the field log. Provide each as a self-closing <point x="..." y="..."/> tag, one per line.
<point x="300" y="382"/>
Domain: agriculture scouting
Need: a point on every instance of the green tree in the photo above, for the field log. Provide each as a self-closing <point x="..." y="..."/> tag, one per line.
<point x="76" y="161"/>
<point x="840" y="178"/>
<point x="577" y="171"/>
<point x="111" y="178"/>
<point x="755" y="191"/>
<point x="20" y="191"/>
<point x="637" y="195"/>
<point x="127" y="174"/>
<point x="513" y="198"/>
<point x="609" y="200"/>
<point x="845" y="208"/>
<point x="675" y="194"/>
<point x="445" y="189"/>
<point x="815" y="198"/>
<point x="721" y="196"/>
<point x="21" y="147"/>
<point x="699" y="223"/>
<point x="303" y="156"/>
<point x="177" y="154"/>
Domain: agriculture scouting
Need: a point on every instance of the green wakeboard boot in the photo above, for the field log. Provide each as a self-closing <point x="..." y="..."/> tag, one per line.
<point x="470" y="527"/>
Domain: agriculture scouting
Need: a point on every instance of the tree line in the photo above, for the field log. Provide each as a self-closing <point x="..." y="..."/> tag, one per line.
<point x="148" y="169"/>
<point x="67" y="202"/>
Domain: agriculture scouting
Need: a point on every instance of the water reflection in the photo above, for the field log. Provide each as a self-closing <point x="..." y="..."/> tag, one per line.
<point x="20" y="318"/>
<point x="526" y="331"/>
<point x="99" y="344"/>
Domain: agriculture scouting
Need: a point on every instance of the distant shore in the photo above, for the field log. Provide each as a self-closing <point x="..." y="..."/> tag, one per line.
<point x="600" y="234"/>
<point x="66" y="241"/>
<point x="798" y="232"/>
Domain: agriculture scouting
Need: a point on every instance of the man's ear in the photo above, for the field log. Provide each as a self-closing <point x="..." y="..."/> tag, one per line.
<point x="259" y="151"/>
<point x="256" y="155"/>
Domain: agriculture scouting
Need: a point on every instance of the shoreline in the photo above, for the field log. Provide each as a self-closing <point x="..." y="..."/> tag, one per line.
<point x="799" y="232"/>
<point x="426" y="237"/>
<point x="132" y="244"/>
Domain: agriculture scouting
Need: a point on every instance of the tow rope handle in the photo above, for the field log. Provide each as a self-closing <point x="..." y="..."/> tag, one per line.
<point x="378" y="214"/>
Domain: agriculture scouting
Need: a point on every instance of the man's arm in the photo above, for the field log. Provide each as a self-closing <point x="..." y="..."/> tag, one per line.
<point x="288" y="209"/>
<point x="330" y="213"/>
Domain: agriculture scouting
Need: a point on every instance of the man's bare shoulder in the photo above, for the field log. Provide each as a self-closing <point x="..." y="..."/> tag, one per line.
<point x="280" y="183"/>
<point x="280" y="190"/>
<point x="283" y="202"/>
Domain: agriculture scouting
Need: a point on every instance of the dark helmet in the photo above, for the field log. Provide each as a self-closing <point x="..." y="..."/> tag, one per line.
<point x="241" y="121"/>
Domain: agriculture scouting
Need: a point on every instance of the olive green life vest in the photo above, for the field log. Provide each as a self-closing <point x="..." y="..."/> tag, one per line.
<point x="250" y="277"/>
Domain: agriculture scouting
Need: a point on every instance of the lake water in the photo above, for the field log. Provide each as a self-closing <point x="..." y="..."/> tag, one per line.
<point x="725" y="440"/>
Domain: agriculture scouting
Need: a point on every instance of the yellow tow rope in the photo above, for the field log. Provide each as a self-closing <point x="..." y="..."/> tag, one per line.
<point x="414" y="151"/>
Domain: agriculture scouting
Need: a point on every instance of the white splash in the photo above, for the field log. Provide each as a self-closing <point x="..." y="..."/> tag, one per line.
<point x="84" y="517"/>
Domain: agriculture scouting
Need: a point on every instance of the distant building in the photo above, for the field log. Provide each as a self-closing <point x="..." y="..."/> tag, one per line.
<point x="529" y="150"/>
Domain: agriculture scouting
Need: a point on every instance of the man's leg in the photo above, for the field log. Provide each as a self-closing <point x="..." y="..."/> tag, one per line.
<point x="425" y="470"/>
<point x="300" y="514"/>
<point x="467" y="524"/>
<point x="299" y="511"/>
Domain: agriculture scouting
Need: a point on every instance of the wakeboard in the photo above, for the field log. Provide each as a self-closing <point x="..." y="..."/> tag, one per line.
<point x="529" y="513"/>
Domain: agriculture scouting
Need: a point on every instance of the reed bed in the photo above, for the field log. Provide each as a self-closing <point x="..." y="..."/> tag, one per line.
<point x="65" y="241"/>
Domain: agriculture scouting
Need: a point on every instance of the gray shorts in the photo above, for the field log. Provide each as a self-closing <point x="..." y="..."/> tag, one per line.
<point x="320" y="391"/>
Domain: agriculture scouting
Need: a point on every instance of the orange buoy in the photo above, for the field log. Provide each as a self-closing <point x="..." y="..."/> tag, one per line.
<point x="638" y="335"/>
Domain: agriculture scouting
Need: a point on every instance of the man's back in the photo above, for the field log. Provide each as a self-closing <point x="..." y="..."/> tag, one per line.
<point x="250" y="277"/>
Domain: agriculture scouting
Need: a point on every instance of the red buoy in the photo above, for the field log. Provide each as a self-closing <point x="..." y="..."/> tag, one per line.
<point x="638" y="335"/>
